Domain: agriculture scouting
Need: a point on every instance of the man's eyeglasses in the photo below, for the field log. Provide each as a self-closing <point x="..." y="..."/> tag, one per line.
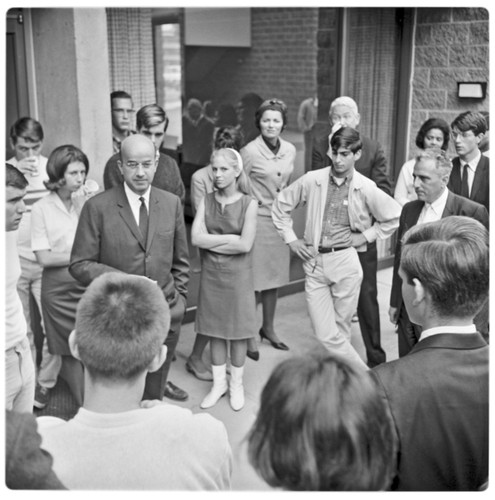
<point x="135" y="164"/>
<point x="464" y="135"/>
<point x="122" y="110"/>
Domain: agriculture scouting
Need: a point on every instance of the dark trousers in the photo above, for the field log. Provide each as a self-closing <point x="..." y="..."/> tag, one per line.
<point x="155" y="381"/>
<point x="407" y="333"/>
<point x="368" y="310"/>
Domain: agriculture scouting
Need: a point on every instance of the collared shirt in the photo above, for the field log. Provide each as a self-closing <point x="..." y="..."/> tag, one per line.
<point x="432" y="212"/>
<point x="117" y="143"/>
<point x="336" y="228"/>
<point x="135" y="202"/>
<point x="53" y="227"/>
<point x="447" y="329"/>
<point x="371" y="212"/>
<point x="35" y="191"/>
<point x="473" y="165"/>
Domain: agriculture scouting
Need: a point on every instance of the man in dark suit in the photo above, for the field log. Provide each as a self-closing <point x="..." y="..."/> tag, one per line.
<point x="435" y="202"/>
<point x="438" y="393"/>
<point x="471" y="170"/>
<point x="138" y="229"/>
<point x="372" y="164"/>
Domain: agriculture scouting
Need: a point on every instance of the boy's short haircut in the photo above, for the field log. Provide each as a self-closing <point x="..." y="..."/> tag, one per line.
<point x="14" y="177"/>
<point x="470" y="120"/>
<point x="122" y="321"/>
<point x="346" y="137"/>
<point x="450" y="258"/>
<point x="151" y="115"/>
<point x="27" y="128"/>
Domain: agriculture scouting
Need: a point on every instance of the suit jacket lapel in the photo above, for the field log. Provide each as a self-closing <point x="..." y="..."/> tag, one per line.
<point x="128" y="217"/>
<point x="449" y="206"/>
<point x="480" y="177"/>
<point x="413" y="215"/>
<point x="153" y="218"/>
<point x="455" y="175"/>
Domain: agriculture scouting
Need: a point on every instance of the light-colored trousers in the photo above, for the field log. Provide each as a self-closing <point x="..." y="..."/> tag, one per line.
<point x="333" y="281"/>
<point x="19" y="378"/>
<point x="30" y="283"/>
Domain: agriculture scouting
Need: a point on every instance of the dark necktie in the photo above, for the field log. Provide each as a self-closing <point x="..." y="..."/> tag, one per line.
<point x="464" y="182"/>
<point x="143" y="219"/>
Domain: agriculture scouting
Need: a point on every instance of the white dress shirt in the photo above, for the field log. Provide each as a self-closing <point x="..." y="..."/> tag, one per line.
<point x="432" y="212"/>
<point x="446" y="329"/>
<point x="135" y="202"/>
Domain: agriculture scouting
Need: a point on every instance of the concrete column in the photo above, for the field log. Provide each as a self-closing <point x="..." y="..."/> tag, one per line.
<point x="70" y="52"/>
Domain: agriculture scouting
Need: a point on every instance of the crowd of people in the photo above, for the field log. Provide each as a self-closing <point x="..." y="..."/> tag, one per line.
<point x="109" y="272"/>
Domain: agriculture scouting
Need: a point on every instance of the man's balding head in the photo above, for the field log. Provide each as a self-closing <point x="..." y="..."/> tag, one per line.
<point x="138" y="162"/>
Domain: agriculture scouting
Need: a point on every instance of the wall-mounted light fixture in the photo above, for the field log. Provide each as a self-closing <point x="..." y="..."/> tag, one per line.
<point x="471" y="90"/>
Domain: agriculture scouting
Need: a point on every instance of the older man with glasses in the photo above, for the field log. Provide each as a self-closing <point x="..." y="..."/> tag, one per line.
<point x="138" y="229"/>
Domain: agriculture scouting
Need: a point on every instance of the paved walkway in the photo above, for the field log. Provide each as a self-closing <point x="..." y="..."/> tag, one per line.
<point x="293" y="326"/>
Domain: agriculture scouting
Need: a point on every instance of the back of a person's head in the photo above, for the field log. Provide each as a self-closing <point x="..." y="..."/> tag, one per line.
<point x="228" y="137"/>
<point x="322" y="426"/>
<point x="121" y="322"/>
<point x="27" y="128"/>
<point x="14" y="177"/>
<point x="470" y="120"/>
<point x="450" y="258"/>
<point x="346" y="137"/>
<point x="151" y="115"/>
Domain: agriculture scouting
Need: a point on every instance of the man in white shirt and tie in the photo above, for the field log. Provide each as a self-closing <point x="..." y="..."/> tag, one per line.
<point x="431" y="176"/>
<point x="471" y="169"/>
<point x="113" y="235"/>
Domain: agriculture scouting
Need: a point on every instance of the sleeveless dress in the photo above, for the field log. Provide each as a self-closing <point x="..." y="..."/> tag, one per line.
<point x="226" y="303"/>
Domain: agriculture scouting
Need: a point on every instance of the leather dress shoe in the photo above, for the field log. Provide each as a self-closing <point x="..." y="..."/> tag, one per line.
<point x="174" y="392"/>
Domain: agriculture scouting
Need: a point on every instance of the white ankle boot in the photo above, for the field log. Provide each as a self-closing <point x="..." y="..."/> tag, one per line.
<point x="236" y="387"/>
<point x="219" y="386"/>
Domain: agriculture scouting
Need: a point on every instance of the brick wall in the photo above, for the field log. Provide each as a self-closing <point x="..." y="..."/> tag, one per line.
<point x="281" y="61"/>
<point x="451" y="45"/>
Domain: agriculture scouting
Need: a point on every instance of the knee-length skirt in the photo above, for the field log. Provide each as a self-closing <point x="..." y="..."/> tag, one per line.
<point x="60" y="294"/>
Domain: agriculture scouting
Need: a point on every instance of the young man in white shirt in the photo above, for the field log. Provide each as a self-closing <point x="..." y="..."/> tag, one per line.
<point x="26" y="139"/>
<point x="116" y="440"/>
<point x="344" y="212"/>
<point x="19" y="365"/>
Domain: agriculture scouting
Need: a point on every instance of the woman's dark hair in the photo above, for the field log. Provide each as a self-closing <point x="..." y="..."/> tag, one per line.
<point x="427" y="126"/>
<point x="322" y="426"/>
<point x="228" y="137"/>
<point x="58" y="162"/>
<point x="273" y="105"/>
